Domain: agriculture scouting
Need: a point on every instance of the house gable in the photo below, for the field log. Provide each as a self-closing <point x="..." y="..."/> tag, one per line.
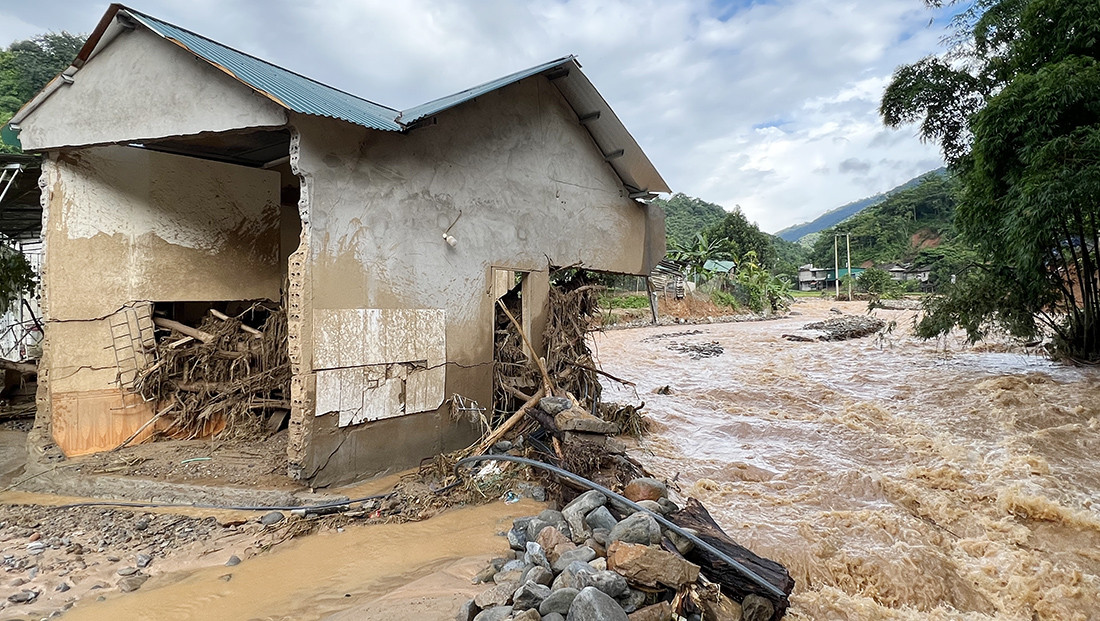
<point x="138" y="86"/>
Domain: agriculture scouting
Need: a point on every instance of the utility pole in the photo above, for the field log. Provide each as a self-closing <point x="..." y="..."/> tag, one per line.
<point x="836" y="266"/>
<point x="848" y="242"/>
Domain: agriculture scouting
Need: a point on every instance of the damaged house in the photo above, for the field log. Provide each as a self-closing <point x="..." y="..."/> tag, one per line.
<point x="184" y="181"/>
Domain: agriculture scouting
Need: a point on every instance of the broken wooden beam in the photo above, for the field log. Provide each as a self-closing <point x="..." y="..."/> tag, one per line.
<point x="184" y="329"/>
<point x="224" y="317"/>
<point x="734" y="584"/>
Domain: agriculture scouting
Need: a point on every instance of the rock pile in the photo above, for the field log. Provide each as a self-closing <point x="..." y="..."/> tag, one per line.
<point x="838" y="329"/>
<point x="597" y="561"/>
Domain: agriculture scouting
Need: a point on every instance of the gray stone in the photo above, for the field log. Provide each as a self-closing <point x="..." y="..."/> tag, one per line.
<point x="602" y="535"/>
<point x="61" y="588"/>
<point x="485" y="575"/>
<point x="554" y="616"/>
<point x="553" y="405"/>
<point x="600" y="518"/>
<point x="632" y="600"/>
<point x="517" y="536"/>
<point x="271" y="518"/>
<point x="233" y="560"/>
<point x="668" y="506"/>
<point x="651" y="505"/>
<point x="558" y="601"/>
<point x="499" y="595"/>
<point x="23" y="597"/>
<point x="512" y="575"/>
<point x="502" y="447"/>
<point x="599" y="563"/>
<point x="537" y="493"/>
<point x="514" y="565"/>
<point x="582" y="554"/>
<point x="132" y="583"/>
<point x="496" y="613"/>
<point x="468" y="611"/>
<point x="539" y="575"/>
<point x="592" y="604"/>
<point x="544" y="519"/>
<point x="683" y="544"/>
<point x="568" y="578"/>
<point x="638" y="528"/>
<point x="143" y="560"/>
<point x="535" y="555"/>
<point x="574" y="513"/>
<point x="127" y="571"/>
<point x="527" y="615"/>
<point x="529" y="595"/>
<point x="607" y="581"/>
<point x="756" y="608"/>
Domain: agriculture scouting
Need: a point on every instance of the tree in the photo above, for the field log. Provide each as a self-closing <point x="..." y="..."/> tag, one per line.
<point x="1015" y="107"/>
<point x="694" y="255"/>
<point x="27" y="66"/>
<point x="738" y="236"/>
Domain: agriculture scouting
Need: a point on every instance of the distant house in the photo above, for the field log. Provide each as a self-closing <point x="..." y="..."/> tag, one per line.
<point x="903" y="272"/>
<point x="180" y="174"/>
<point x="812" y="278"/>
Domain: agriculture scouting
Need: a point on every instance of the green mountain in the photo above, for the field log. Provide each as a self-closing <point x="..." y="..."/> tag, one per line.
<point x="898" y="228"/>
<point x="836" y="216"/>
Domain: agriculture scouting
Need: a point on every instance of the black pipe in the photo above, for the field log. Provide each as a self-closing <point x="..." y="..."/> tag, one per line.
<point x="744" y="571"/>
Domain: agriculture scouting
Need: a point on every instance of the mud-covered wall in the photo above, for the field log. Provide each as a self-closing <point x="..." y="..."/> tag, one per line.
<point x="124" y="225"/>
<point x="532" y="189"/>
<point x="140" y="87"/>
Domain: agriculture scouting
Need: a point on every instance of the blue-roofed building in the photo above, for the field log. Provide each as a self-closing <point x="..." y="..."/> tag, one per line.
<point x="180" y="175"/>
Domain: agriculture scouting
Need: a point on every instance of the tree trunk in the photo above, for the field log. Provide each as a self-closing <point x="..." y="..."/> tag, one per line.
<point x="735" y="585"/>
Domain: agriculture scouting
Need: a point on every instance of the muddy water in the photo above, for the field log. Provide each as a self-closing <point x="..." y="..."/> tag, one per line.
<point x="896" y="479"/>
<point x="419" y="570"/>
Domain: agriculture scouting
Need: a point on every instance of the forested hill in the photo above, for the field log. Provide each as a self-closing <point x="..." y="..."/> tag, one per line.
<point x="898" y="228"/>
<point x="686" y="215"/>
<point x="838" y="215"/>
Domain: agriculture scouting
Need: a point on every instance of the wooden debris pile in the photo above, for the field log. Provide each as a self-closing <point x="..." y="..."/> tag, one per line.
<point x="224" y="377"/>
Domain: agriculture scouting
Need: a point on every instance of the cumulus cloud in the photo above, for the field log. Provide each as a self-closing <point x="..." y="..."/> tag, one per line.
<point x="768" y="105"/>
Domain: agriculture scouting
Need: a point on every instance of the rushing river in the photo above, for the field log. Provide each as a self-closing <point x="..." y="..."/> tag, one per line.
<point x="896" y="479"/>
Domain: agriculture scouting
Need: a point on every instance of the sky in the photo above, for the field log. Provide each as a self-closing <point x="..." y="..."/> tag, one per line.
<point x="767" y="105"/>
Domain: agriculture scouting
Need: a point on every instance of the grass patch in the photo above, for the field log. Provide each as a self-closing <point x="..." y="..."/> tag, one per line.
<point x="625" y="301"/>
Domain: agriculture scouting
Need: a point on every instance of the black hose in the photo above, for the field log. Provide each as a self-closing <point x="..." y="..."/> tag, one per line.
<point x="744" y="571"/>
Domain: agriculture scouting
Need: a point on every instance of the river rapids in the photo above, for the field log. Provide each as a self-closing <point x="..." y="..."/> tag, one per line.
<point x="895" y="478"/>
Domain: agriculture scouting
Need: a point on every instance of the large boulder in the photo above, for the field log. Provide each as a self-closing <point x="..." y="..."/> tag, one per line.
<point x="582" y="554"/>
<point x="575" y="512"/>
<point x="529" y="595"/>
<point x="592" y="604"/>
<point x="558" y="601"/>
<point x="639" y="528"/>
<point x="650" y="566"/>
<point x="498" y="595"/>
<point x="599" y="518"/>
<point x="553" y="542"/>
<point x="607" y="581"/>
<point x="645" y="488"/>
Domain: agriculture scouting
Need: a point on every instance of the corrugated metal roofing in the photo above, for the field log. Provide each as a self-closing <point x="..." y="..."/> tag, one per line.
<point x="301" y="94"/>
<point x="436" y="106"/>
<point x="289" y="89"/>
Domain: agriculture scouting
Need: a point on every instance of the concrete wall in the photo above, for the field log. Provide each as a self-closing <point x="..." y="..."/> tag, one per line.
<point x="141" y="87"/>
<point x="532" y="189"/>
<point x="124" y="225"/>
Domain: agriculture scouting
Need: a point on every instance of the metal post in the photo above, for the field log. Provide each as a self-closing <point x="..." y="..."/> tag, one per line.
<point x="836" y="266"/>
<point x="848" y="241"/>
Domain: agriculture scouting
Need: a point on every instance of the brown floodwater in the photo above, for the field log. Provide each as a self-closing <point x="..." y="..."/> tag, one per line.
<point x="895" y="478"/>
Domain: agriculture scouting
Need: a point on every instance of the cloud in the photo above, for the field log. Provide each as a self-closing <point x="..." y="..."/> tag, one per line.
<point x="769" y="105"/>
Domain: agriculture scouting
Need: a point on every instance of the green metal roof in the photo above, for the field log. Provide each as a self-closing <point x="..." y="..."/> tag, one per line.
<point x="438" y="105"/>
<point x="292" y="91"/>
